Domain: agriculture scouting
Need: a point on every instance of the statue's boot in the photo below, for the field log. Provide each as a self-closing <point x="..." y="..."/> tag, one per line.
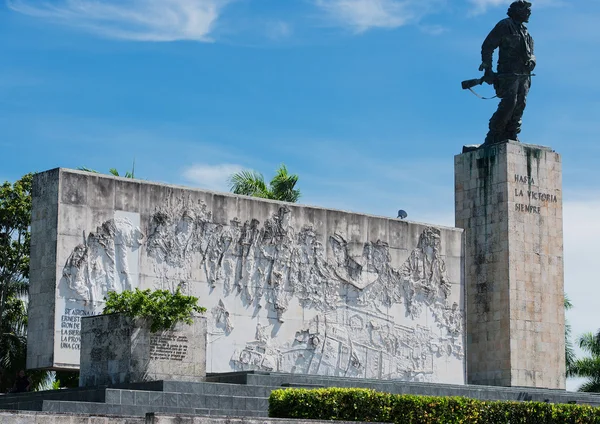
<point x="494" y="137"/>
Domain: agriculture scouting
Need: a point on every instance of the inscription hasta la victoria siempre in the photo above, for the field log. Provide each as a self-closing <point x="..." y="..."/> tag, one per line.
<point x="532" y="194"/>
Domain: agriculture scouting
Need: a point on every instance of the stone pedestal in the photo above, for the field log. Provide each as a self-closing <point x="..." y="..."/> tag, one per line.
<point x="118" y="349"/>
<point x="509" y="201"/>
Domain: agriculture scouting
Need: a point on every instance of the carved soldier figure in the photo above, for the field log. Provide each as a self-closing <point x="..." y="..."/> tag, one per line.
<point x="515" y="63"/>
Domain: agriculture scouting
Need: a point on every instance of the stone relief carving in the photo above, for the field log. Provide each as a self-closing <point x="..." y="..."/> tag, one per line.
<point x="349" y="287"/>
<point x="349" y="342"/>
<point x="221" y="319"/>
<point x="100" y="264"/>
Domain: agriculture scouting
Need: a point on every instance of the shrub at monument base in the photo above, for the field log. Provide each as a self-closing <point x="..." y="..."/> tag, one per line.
<point x="371" y="406"/>
<point x="163" y="308"/>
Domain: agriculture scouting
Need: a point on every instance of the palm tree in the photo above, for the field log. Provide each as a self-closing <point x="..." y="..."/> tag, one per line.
<point x="569" y="351"/>
<point x="112" y="171"/>
<point x="588" y="366"/>
<point x="252" y="183"/>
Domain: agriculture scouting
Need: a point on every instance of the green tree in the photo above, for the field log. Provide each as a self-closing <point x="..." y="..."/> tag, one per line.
<point x="569" y="350"/>
<point x="15" y="218"/>
<point x="252" y="183"/>
<point x="588" y="366"/>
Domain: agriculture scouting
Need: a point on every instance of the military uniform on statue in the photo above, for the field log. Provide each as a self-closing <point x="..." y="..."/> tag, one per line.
<point x="513" y="78"/>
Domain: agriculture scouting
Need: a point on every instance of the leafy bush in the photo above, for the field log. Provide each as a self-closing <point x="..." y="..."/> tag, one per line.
<point x="371" y="406"/>
<point x="161" y="307"/>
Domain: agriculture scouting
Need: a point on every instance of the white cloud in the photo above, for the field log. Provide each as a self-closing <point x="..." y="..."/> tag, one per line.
<point x="138" y="20"/>
<point x="211" y="177"/>
<point x="582" y="250"/>
<point x="361" y="15"/>
<point x="481" y="6"/>
<point x="278" y="30"/>
<point x="433" y="29"/>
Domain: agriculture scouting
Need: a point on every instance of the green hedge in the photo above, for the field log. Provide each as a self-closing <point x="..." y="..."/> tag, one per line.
<point x="371" y="406"/>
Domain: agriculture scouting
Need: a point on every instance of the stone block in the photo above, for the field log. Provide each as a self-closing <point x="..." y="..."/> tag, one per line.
<point x="508" y="198"/>
<point x="116" y="349"/>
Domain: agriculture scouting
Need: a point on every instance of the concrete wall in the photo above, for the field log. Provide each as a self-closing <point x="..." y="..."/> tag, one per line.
<point x="23" y="417"/>
<point x="509" y="201"/>
<point x="288" y="288"/>
<point x="117" y="349"/>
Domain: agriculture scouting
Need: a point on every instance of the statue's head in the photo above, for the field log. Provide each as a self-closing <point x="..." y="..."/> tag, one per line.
<point x="520" y="10"/>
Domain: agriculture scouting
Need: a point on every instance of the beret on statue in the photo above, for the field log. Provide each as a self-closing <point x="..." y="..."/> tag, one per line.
<point x="520" y="4"/>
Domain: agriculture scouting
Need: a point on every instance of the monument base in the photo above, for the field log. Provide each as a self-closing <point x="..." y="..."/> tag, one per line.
<point x="246" y="394"/>
<point x="509" y="201"/>
<point x="117" y="349"/>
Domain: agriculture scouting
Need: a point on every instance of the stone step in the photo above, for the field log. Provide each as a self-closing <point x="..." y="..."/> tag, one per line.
<point x="141" y="410"/>
<point x="186" y="400"/>
<point x="25" y="405"/>
<point x="276" y="380"/>
<point x="82" y="394"/>
<point x="210" y="388"/>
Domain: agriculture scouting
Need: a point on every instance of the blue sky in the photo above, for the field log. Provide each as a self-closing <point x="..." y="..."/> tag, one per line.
<point x="361" y="98"/>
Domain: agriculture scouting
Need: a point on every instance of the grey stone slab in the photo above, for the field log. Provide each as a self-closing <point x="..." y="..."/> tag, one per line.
<point x="108" y="409"/>
<point x="243" y="390"/>
<point x="187" y="400"/>
<point x="252" y="403"/>
<point x="209" y="388"/>
<point x="170" y="399"/>
<point x="133" y="410"/>
<point x="262" y="404"/>
<point x="113" y="396"/>
<point x="156" y="398"/>
<point x="51" y="406"/>
<point x="211" y="402"/>
<point x="199" y="401"/>
<point x="225" y="402"/>
<point x="141" y="397"/>
<point x="222" y="389"/>
<point x="127" y="397"/>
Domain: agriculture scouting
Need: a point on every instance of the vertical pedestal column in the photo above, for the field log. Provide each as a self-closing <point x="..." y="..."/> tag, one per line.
<point x="509" y="201"/>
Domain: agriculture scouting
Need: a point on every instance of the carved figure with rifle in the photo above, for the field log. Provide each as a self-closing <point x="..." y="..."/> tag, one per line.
<point x="512" y="80"/>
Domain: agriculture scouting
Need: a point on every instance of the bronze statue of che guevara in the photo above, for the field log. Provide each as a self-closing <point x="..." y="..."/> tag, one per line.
<point x="513" y="77"/>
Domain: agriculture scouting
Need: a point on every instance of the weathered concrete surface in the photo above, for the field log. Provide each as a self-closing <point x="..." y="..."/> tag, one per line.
<point x="117" y="349"/>
<point x="25" y="417"/>
<point x="288" y="288"/>
<point x="191" y="419"/>
<point x="509" y="201"/>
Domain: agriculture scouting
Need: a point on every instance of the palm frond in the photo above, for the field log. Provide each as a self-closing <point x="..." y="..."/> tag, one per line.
<point x="17" y="288"/>
<point x="586" y="367"/>
<point x="282" y="186"/>
<point x="590" y="386"/>
<point x="86" y="169"/>
<point x="114" y="172"/>
<point x="570" y="357"/>
<point x="249" y="183"/>
<point x="567" y="302"/>
<point x="590" y="343"/>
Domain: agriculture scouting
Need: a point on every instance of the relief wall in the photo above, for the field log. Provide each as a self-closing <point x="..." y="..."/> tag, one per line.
<point x="284" y="292"/>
